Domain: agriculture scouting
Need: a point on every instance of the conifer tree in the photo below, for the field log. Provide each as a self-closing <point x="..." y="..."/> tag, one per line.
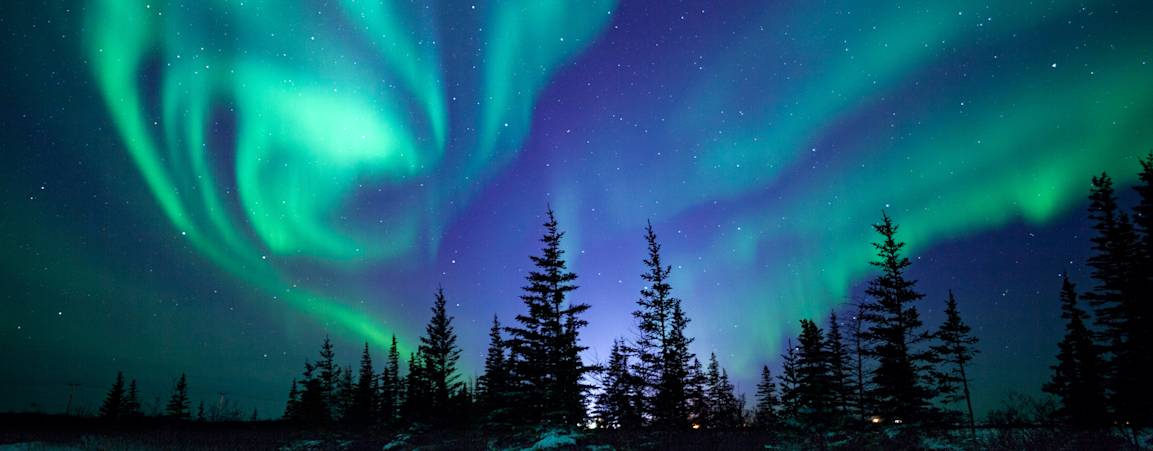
<point x="956" y="347"/>
<point x="113" y="406"/>
<point x="364" y="395"/>
<point x="661" y="346"/>
<point x="390" y="386"/>
<point x="1077" y="376"/>
<point x="1115" y="303"/>
<point x="697" y="394"/>
<point x="814" y="390"/>
<point x="617" y="405"/>
<point x="200" y="408"/>
<point x="290" y="408"/>
<point x="345" y="394"/>
<point x="766" y="413"/>
<point x="440" y="352"/>
<point x="132" y="401"/>
<point x="178" y="404"/>
<point x="415" y="406"/>
<point x="839" y="368"/>
<point x="328" y="374"/>
<point x="860" y="401"/>
<point x="789" y="379"/>
<point x="492" y="388"/>
<point x="724" y="410"/>
<point x="313" y="408"/>
<point x="1143" y="310"/>
<point x="547" y="370"/>
<point x="895" y="334"/>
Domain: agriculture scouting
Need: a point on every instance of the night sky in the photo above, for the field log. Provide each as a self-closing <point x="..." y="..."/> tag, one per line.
<point x="213" y="186"/>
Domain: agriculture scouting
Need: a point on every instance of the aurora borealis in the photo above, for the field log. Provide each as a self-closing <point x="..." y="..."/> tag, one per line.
<point x="213" y="186"/>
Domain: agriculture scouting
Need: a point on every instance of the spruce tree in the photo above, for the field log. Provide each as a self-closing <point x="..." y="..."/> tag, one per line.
<point x="178" y="405"/>
<point x="113" y="406"/>
<point x="617" y="405"/>
<point x="724" y="410"/>
<point x="789" y="379"/>
<point x="440" y="353"/>
<point x="313" y="409"/>
<point x="328" y="374"/>
<point x="200" y="408"/>
<point x="860" y="400"/>
<point x="492" y="388"/>
<point x="547" y="370"/>
<point x="815" y="387"/>
<point x="390" y="386"/>
<point x="766" y="413"/>
<point x="696" y="393"/>
<point x="956" y="347"/>
<point x="415" y="406"/>
<point x="895" y="333"/>
<point x="132" y="401"/>
<point x="661" y="346"/>
<point x="364" y="395"/>
<point x="1077" y="377"/>
<point x="839" y="368"/>
<point x="345" y="394"/>
<point x="1115" y="303"/>
<point x="1142" y="309"/>
<point x="290" y="408"/>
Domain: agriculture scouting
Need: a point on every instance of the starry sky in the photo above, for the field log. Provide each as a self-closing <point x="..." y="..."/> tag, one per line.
<point x="212" y="187"/>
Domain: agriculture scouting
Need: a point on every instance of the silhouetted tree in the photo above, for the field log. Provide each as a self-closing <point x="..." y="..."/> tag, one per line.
<point x="815" y="387"/>
<point x="328" y="373"/>
<point x="956" y="347"/>
<point x="313" y="407"/>
<point x="290" y="408"/>
<point x="1077" y="380"/>
<point x="766" y="413"/>
<point x="178" y="405"/>
<point x="1143" y="311"/>
<point x="113" y="406"/>
<point x="440" y="353"/>
<point x="492" y="387"/>
<point x="725" y="411"/>
<point x="132" y="401"/>
<point x="617" y="406"/>
<point x="415" y="405"/>
<point x="661" y="346"/>
<point x="200" y="407"/>
<point x="696" y="392"/>
<point x="1115" y="305"/>
<point x="345" y="395"/>
<point x="894" y="332"/>
<point x="364" y="394"/>
<point x="839" y="369"/>
<point x="547" y="371"/>
<point x="391" y="386"/>
<point x="860" y="401"/>
<point x="789" y="379"/>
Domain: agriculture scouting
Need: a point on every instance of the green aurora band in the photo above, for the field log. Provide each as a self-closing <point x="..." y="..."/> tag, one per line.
<point x="330" y="107"/>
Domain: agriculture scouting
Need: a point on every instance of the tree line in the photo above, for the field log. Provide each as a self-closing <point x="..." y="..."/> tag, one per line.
<point x="879" y="364"/>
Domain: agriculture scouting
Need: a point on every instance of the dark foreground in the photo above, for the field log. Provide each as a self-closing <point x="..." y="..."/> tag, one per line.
<point x="48" y="432"/>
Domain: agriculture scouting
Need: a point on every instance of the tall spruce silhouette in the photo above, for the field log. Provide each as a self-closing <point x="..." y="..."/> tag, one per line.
<point x="900" y="381"/>
<point x="391" y="386"/>
<point x="1115" y="303"/>
<point x="291" y="408"/>
<point x="178" y="404"/>
<point x="547" y="370"/>
<point x="363" y="403"/>
<point x="725" y="410"/>
<point x="492" y="387"/>
<point x="661" y="345"/>
<point x="1143" y="310"/>
<point x="789" y="380"/>
<point x="617" y="405"/>
<point x="765" y="415"/>
<point x="1077" y="376"/>
<point x="440" y="354"/>
<point x="132" y="401"/>
<point x="839" y="368"/>
<point x="956" y="347"/>
<point x="113" y="406"/>
<point x="815" y="387"/>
